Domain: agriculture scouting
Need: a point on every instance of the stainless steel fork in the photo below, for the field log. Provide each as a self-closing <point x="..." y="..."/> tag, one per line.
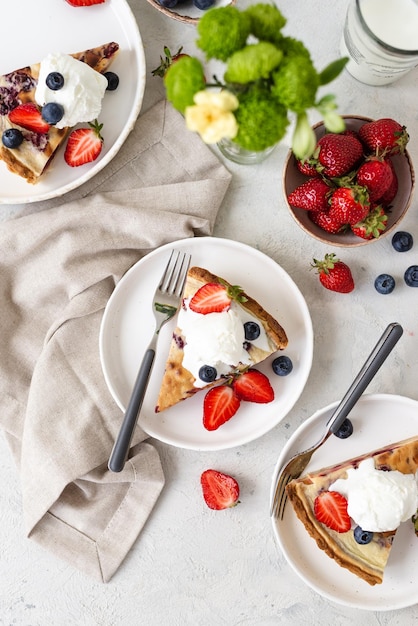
<point x="296" y="465"/>
<point x="166" y="301"/>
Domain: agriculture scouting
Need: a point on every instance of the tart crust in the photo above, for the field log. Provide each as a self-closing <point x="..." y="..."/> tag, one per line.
<point x="365" y="561"/>
<point x="33" y="156"/>
<point x="178" y="382"/>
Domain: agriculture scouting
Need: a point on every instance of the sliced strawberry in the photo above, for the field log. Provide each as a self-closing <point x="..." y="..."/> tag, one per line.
<point x="220" y="404"/>
<point x="330" y="508"/>
<point x="253" y="386"/>
<point x="84" y="145"/>
<point x="220" y="491"/>
<point x="29" y="116"/>
<point x="210" y="298"/>
<point x="84" y="3"/>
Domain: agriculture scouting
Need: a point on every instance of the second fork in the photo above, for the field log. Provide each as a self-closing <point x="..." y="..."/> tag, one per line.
<point x="165" y="304"/>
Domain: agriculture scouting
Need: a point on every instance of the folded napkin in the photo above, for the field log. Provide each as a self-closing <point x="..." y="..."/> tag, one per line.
<point x="58" y="266"/>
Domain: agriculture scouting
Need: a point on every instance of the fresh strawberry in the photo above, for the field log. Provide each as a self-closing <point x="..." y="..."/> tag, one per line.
<point x="334" y="274"/>
<point x="307" y="168"/>
<point x="337" y="154"/>
<point x="327" y="223"/>
<point x="253" y="386"/>
<point x="84" y="145"/>
<point x="167" y="61"/>
<point x="29" y="116"/>
<point x="349" y="205"/>
<point x="330" y="508"/>
<point x="220" y="404"/>
<point x="385" y="136"/>
<point x="376" y="175"/>
<point x="84" y="3"/>
<point x="390" y="194"/>
<point x="374" y="224"/>
<point x="210" y="298"/>
<point x="312" y="195"/>
<point x="215" y="298"/>
<point x="220" y="490"/>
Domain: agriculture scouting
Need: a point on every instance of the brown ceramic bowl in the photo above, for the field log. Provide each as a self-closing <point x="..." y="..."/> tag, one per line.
<point x="185" y="11"/>
<point x="292" y="178"/>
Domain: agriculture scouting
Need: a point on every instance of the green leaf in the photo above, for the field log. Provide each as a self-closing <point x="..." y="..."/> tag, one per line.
<point x="332" y="70"/>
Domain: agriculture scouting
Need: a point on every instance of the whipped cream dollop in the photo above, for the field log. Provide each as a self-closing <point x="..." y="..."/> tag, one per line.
<point x="216" y="339"/>
<point x="378" y="500"/>
<point x="82" y="92"/>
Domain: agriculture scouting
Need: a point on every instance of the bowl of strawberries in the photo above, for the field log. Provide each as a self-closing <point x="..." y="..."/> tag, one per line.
<point x="356" y="187"/>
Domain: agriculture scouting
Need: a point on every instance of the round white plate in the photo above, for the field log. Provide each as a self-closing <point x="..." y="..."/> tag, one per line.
<point x="378" y="419"/>
<point x="128" y="325"/>
<point x="56" y="26"/>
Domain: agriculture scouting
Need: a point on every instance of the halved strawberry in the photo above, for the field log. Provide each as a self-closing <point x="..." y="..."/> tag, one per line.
<point x="84" y="3"/>
<point x="84" y="145"/>
<point x="210" y="298"/>
<point x="330" y="508"/>
<point x="220" y="404"/>
<point x="253" y="386"/>
<point x="29" y="116"/>
<point x="220" y="490"/>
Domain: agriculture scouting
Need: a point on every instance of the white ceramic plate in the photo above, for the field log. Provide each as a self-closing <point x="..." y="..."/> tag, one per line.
<point x="378" y="419"/>
<point x="128" y="325"/>
<point x="56" y="26"/>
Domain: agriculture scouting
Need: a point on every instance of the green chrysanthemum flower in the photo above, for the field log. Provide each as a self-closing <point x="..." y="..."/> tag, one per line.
<point x="295" y="83"/>
<point x="266" y="21"/>
<point x="262" y="120"/>
<point x="182" y="80"/>
<point x="222" y="31"/>
<point x="252" y="62"/>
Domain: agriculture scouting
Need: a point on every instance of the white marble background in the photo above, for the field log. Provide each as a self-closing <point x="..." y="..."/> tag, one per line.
<point x="192" y="565"/>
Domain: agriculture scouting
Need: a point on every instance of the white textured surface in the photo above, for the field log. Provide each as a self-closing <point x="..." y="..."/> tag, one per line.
<point x="192" y="565"/>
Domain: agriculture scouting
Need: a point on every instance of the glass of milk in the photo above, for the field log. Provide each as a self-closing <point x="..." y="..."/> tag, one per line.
<point x="380" y="39"/>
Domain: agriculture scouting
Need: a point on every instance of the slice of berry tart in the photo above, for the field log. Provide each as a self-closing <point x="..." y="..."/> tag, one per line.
<point x="31" y="136"/>
<point x="220" y="330"/>
<point x="353" y="509"/>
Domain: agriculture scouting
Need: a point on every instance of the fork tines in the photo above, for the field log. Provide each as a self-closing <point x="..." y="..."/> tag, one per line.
<point x="175" y="273"/>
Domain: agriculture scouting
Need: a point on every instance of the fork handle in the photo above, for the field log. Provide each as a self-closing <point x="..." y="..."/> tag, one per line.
<point x="120" y="449"/>
<point x="379" y="354"/>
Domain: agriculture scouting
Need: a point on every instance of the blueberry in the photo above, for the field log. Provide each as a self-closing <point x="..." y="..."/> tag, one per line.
<point x="362" y="536"/>
<point x="12" y="138"/>
<point x="52" y="112"/>
<point x="252" y="330"/>
<point x="402" y="241"/>
<point x="112" y="81"/>
<point x="168" y="4"/>
<point x="203" y="5"/>
<point x="345" y="430"/>
<point x="384" y="283"/>
<point x="55" y="81"/>
<point x="207" y="373"/>
<point x="282" y="365"/>
<point x="411" y="276"/>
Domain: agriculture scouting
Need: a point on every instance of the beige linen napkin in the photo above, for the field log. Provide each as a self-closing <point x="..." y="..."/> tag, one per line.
<point x="58" y="267"/>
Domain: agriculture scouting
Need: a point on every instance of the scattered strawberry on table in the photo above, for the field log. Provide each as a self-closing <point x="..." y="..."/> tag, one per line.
<point x="220" y="491"/>
<point x="167" y="60"/>
<point x="351" y="181"/>
<point x="334" y="274"/>
<point x="84" y="145"/>
<point x="84" y="3"/>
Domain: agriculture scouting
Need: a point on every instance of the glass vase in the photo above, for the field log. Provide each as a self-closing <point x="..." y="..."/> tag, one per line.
<point x="234" y="152"/>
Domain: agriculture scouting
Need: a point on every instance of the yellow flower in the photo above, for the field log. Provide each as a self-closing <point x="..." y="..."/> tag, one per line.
<point x="211" y="116"/>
